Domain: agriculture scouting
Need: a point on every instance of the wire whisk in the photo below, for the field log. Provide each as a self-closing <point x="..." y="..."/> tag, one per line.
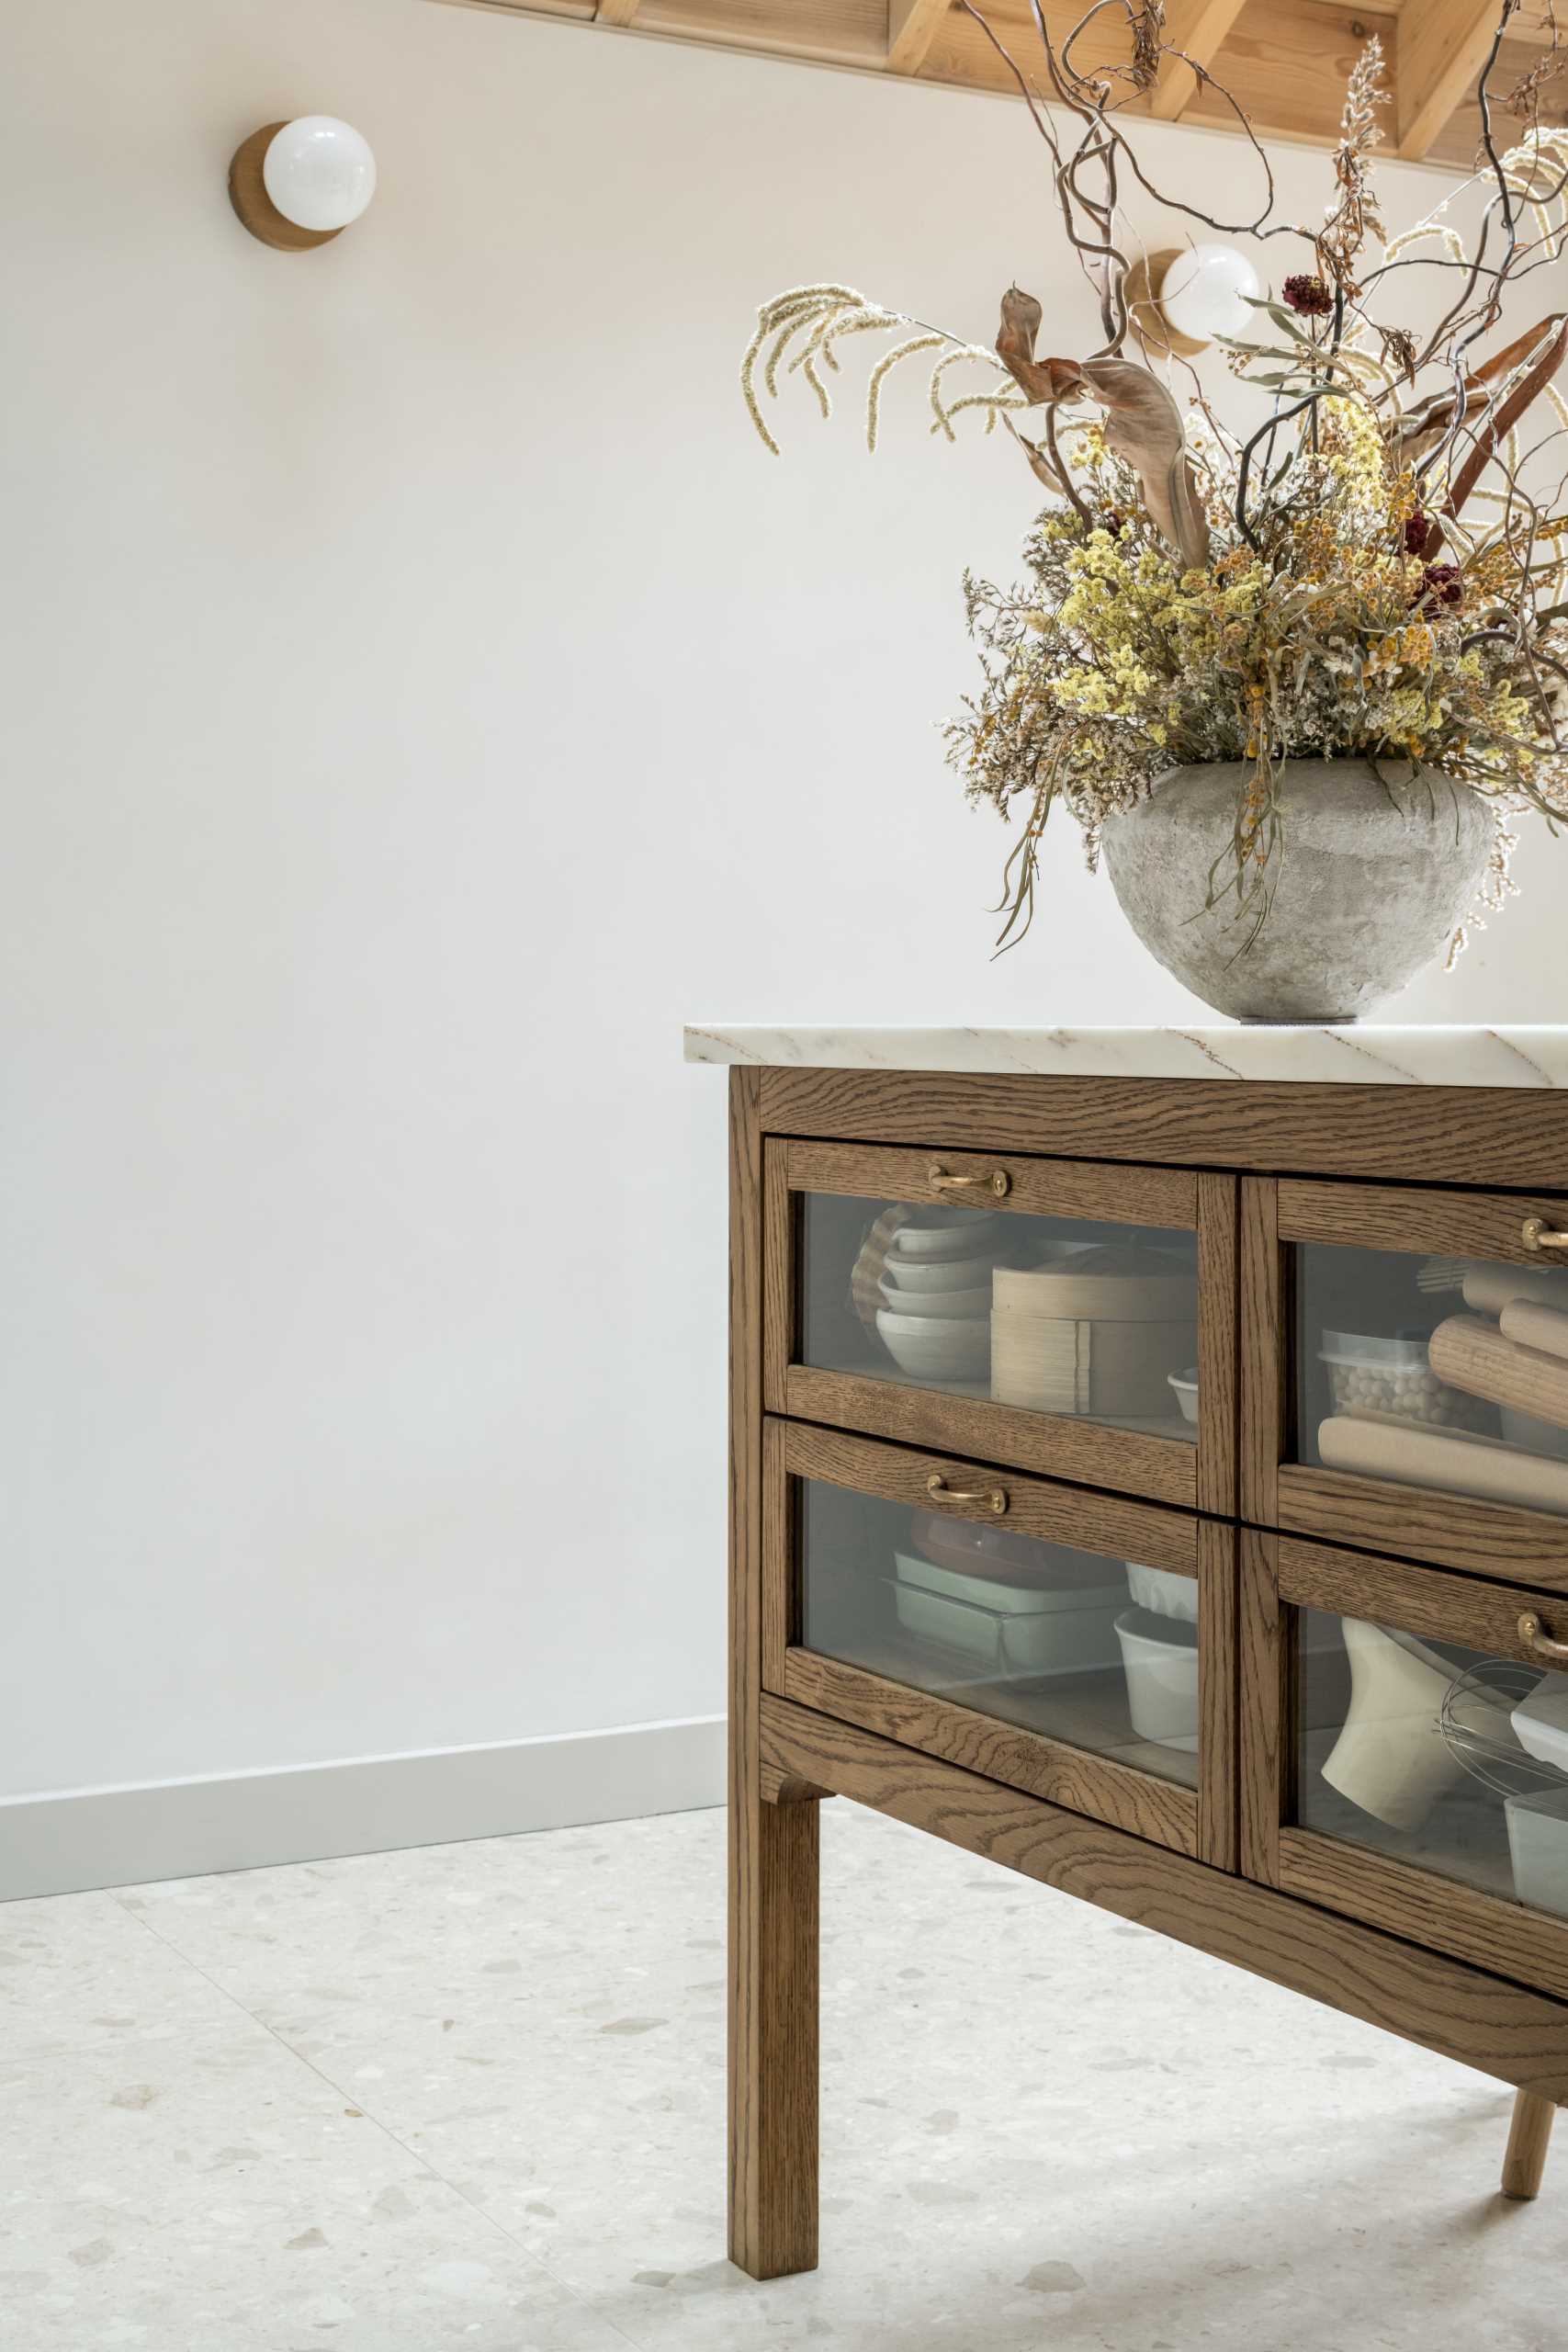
<point x="1477" y="1732"/>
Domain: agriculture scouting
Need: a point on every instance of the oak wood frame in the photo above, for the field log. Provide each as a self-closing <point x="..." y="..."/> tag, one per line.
<point x="1167" y="1470"/>
<point x="1200" y="1821"/>
<point x="1515" y="1136"/>
<point x="1465" y="2013"/>
<point x="773" y="1872"/>
<point x="1451" y="1531"/>
<point x="1282" y="1574"/>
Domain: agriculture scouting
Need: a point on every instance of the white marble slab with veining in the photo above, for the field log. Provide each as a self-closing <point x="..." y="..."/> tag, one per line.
<point x="1356" y="1053"/>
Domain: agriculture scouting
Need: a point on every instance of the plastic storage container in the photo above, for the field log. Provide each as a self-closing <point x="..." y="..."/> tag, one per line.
<point x="1007" y="1629"/>
<point x="1392" y="1377"/>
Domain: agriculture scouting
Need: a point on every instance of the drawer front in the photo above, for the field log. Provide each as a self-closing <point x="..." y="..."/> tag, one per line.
<point x="1073" y="1318"/>
<point x="1077" y="1646"/>
<point x="1404" y="1750"/>
<point x="1404" y="1360"/>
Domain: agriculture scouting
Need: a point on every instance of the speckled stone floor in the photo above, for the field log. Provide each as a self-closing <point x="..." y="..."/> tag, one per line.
<point x="473" y="2097"/>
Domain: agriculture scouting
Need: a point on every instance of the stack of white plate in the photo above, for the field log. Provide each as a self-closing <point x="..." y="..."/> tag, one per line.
<point x="937" y="1282"/>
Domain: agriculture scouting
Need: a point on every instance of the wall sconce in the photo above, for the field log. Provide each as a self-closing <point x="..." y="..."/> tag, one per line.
<point x="1203" y="291"/>
<point x="299" y="184"/>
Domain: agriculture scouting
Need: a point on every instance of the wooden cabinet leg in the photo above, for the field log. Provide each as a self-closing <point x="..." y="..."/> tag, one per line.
<point x="1529" y="2139"/>
<point x="773" y="1822"/>
<point x="772" y="2036"/>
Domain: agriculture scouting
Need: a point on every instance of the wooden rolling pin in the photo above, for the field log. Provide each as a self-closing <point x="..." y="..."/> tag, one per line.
<point x="1489" y="1288"/>
<point x="1475" y="1356"/>
<point x="1457" y="1463"/>
<point x="1535" y="1327"/>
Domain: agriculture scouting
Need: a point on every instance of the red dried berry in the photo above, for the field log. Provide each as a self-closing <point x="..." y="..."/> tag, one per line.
<point x="1417" y="533"/>
<point x="1443" y="584"/>
<point x="1308" y="295"/>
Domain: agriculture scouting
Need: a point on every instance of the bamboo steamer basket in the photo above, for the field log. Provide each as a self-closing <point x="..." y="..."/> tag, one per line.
<point x="1098" y="1340"/>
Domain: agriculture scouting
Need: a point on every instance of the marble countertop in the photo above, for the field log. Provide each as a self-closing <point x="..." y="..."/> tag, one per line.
<point x="1374" y="1053"/>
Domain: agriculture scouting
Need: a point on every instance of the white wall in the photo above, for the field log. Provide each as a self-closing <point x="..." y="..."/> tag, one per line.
<point x="423" y="693"/>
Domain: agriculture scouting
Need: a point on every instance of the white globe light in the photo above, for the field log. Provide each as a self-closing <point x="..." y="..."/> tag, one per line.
<point x="1205" y="291"/>
<point x="320" y="172"/>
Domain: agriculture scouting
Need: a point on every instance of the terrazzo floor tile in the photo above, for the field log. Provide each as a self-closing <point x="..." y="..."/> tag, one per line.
<point x="78" y="1973"/>
<point x="214" y="2194"/>
<point x="1045" y="2130"/>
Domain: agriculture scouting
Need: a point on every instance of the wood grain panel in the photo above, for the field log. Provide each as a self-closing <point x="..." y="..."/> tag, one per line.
<point x="1217" y="1693"/>
<point x="1443" y="1913"/>
<point x="1463" y="2013"/>
<point x="960" y="51"/>
<point x="1439" y="50"/>
<point x="1198" y="30"/>
<point x="1419" y="1600"/>
<point x="1136" y="1801"/>
<point x="834" y="32"/>
<point x="1264" y="1342"/>
<point x="781" y="1319"/>
<point x="1108" y="1524"/>
<point x="1493" y="1136"/>
<point x="772" y="1847"/>
<point x="1159" y="1196"/>
<point x="1217" y="1311"/>
<point x="781" y="1598"/>
<point x="1286" y="63"/>
<point x="1407" y="1217"/>
<point x="1265" y="1648"/>
<point x="1090" y="1453"/>
<point x="1457" y="145"/>
<point x="1450" y="1530"/>
<point x="912" y="26"/>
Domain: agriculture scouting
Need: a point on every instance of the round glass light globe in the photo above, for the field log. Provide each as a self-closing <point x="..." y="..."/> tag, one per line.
<point x="318" y="171"/>
<point x="1205" y="291"/>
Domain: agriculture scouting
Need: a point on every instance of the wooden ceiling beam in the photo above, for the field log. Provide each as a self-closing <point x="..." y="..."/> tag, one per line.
<point x="1198" y="28"/>
<point x="912" y="26"/>
<point x="615" y="12"/>
<point x="1442" y="46"/>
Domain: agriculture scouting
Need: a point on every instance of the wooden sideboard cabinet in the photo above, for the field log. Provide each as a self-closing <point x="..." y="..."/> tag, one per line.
<point x="1158" y="1484"/>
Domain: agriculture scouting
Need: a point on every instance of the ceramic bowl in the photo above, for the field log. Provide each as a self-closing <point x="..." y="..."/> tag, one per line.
<point x="969" y="1231"/>
<point x="940" y="1303"/>
<point x="919" y="1278"/>
<point x="1162" y="1594"/>
<point x="1184" y="1388"/>
<point x="1161" y="1663"/>
<point x="936" y="1347"/>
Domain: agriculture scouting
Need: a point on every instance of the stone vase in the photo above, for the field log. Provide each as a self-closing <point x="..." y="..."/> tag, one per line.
<point x="1375" y="874"/>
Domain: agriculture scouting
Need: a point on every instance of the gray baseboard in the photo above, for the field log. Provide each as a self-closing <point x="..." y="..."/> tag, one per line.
<point x="121" y="1836"/>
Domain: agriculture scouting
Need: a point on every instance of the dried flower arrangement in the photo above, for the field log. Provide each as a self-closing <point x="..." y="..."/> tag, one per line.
<point x="1377" y="571"/>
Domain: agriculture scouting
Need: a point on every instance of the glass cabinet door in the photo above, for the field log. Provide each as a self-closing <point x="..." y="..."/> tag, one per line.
<point x="1426" y="1388"/>
<point x="937" y="1297"/>
<point x="1045" y="1637"/>
<point x="1428" y="1741"/>
<point x="1440" y="1372"/>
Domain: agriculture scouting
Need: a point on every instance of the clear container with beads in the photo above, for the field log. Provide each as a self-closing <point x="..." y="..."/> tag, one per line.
<point x="1391" y="1379"/>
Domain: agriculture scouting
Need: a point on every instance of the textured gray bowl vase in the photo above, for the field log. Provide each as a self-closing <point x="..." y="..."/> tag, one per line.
<point x="1376" y="873"/>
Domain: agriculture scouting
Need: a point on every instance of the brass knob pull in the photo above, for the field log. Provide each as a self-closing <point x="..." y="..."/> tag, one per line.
<point x="1534" y="1632"/>
<point x="1536" y="1234"/>
<point x="994" y="1498"/>
<point x="999" y="1182"/>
